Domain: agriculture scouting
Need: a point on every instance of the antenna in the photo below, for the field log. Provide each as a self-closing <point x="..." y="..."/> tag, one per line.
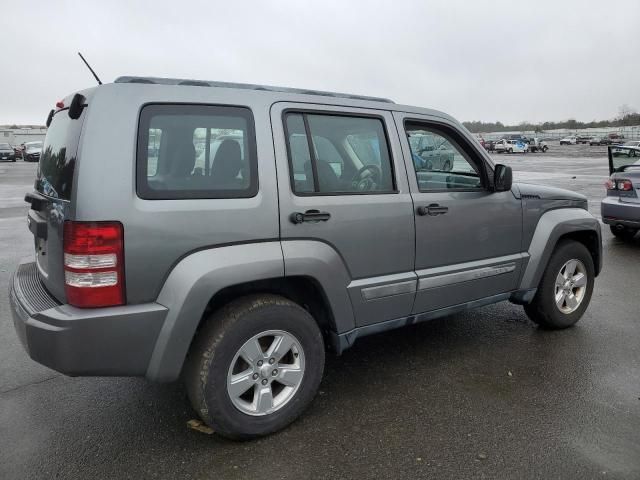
<point x="90" y="69"/>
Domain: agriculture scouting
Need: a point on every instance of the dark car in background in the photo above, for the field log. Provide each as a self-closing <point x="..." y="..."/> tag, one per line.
<point x="32" y="151"/>
<point x="6" y="153"/>
<point x="600" y="141"/>
<point x="621" y="207"/>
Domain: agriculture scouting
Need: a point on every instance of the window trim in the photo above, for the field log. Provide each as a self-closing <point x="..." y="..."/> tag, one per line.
<point x="310" y="111"/>
<point x="468" y="151"/>
<point x="142" y="144"/>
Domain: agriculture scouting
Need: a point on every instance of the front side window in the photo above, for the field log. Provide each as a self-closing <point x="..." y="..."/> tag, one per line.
<point x="440" y="163"/>
<point x="196" y="151"/>
<point x="338" y="154"/>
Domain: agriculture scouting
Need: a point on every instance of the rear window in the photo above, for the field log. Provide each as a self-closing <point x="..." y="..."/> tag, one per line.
<point x="58" y="159"/>
<point x="196" y="151"/>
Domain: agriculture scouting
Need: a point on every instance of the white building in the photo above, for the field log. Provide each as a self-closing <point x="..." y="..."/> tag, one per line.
<point x="17" y="136"/>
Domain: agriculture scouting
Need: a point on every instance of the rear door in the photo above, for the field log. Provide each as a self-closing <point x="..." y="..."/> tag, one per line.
<point x="51" y="200"/>
<point x="468" y="238"/>
<point x="342" y="183"/>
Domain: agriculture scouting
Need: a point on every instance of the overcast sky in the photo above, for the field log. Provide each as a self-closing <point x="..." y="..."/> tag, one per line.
<point x="477" y="60"/>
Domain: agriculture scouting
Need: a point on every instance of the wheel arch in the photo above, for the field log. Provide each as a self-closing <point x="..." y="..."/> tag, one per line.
<point x="554" y="226"/>
<point x="209" y="279"/>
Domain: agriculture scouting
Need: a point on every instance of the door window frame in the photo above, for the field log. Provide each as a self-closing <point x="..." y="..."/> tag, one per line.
<point x="312" y="158"/>
<point x="457" y="139"/>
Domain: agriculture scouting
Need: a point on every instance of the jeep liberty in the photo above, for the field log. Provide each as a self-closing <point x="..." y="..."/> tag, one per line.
<point x="230" y="234"/>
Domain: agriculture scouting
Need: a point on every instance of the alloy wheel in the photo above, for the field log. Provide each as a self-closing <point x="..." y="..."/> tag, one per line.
<point x="570" y="286"/>
<point x="266" y="372"/>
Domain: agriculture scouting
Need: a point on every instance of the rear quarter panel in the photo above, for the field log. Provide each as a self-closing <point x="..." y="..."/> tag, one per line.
<point x="158" y="233"/>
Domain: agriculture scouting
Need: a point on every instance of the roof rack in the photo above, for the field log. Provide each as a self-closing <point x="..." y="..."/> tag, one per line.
<point x="203" y="83"/>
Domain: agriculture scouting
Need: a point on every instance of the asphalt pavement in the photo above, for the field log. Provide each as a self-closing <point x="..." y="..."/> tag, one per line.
<point x="482" y="394"/>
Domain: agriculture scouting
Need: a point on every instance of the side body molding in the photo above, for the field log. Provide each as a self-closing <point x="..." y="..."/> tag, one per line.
<point x="190" y="286"/>
<point x="551" y="226"/>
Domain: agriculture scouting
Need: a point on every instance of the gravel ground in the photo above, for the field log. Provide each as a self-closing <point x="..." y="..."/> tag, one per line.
<point x="483" y="394"/>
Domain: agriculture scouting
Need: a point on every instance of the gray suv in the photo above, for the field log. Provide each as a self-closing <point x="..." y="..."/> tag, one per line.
<point x="229" y="234"/>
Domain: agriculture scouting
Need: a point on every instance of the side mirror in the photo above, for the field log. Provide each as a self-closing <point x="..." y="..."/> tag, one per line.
<point x="502" y="178"/>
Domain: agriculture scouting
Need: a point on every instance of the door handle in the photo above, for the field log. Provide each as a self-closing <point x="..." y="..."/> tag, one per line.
<point x="312" y="216"/>
<point x="434" y="209"/>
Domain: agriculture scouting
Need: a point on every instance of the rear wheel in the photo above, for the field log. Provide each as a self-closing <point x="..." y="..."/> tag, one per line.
<point x="544" y="149"/>
<point x="624" y="233"/>
<point x="565" y="289"/>
<point x="255" y="366"/>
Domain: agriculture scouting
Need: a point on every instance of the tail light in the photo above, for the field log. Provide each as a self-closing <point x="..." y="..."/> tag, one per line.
<point x="94" y="264"/>
<point x="624" y="185"/>
<point x="621" y="185"/>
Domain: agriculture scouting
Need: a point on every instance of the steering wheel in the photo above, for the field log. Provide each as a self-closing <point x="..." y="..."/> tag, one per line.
<point x="362" y="183"/>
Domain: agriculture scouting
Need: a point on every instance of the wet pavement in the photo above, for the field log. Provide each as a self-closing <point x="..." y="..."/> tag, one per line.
<point x="483" y="394"/>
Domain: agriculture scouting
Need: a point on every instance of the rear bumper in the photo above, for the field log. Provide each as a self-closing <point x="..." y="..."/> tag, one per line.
<point x="614" y="212"/>
<point x="114" y="341"/>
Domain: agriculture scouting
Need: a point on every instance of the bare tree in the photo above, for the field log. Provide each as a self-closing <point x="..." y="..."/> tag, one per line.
<point x="625" y="110"/>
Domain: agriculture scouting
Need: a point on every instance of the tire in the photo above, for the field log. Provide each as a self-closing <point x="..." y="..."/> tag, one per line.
<point x="544" y="149"/>
<point x="216" y="352"/>
<point x="625" y="233"/>
<point x="544" y="310"/>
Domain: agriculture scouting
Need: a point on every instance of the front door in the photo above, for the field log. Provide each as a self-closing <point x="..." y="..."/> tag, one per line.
<point x="468" y="238"/>
<point x="344" y="198"/>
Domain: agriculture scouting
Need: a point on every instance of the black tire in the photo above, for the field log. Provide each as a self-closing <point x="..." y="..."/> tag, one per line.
<point x="543" y="309"/>
<point x="215" y="347"/>
<point x="625" y="233"/>
<point x="544" y="149"/>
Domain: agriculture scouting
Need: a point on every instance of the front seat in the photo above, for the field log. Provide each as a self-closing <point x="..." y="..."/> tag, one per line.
<point x="226" y="165"/>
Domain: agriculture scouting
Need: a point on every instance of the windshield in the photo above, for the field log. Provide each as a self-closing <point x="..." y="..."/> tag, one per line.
<point x="58" y="160"/>
<point x="5" y="146"/>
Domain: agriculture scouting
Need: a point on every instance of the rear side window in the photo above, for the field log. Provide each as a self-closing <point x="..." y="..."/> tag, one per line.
<point x="196" y="151"/>
<point x="58" y="158"/>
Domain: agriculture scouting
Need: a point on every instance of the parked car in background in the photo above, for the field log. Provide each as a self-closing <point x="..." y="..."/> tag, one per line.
<point x="32" y="151"/>
<point x="511" y="146"/>
<point x="537" y="145"/>
<point x="583" y="139"/>
<point x="616" y="136"/>
<point x="7" y="154"/>
<point x="621" y="207"/>
<point x="569" y="141"/>
<point x="629" y="152"/>
<point x="490" y="145"/>
<point x="17" y="149"/>
<point x="431" y="152"/>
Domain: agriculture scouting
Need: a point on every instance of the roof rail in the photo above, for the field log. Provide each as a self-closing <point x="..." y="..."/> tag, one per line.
<point x="248" y="86"/>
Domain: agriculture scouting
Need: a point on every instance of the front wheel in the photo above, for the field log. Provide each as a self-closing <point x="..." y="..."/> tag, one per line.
<point x="544" y="149"/>
<point x="565" y="289"/>
<point x="255" y="366"/>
